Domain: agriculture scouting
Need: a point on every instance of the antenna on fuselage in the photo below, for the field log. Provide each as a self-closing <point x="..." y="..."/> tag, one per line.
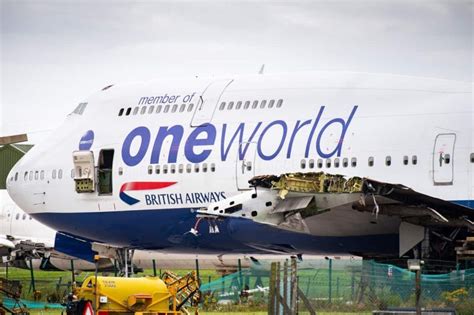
<point x="261" y="69"/>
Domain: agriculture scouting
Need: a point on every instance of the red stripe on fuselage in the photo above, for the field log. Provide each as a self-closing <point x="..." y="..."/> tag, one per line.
<point x="145" y="185"/>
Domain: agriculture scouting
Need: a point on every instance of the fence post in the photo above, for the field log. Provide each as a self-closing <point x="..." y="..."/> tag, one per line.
<point x="286" y="296"/>
<point x="271" y="296"/>
<point x="294" y="287"/>
<point x="241" y="280"/>
<point x="278" y="289"/>
<point x="154" y="267"/>
<point x="330" y="281"/>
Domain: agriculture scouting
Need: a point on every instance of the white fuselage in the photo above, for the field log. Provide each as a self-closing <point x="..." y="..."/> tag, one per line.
<point x="205" y="143"/>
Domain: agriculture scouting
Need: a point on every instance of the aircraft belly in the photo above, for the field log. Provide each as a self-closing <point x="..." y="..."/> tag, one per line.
<point x="169" y="230"/>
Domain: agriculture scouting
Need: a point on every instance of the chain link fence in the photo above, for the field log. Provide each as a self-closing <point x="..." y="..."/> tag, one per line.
<point x="348" y="285"/>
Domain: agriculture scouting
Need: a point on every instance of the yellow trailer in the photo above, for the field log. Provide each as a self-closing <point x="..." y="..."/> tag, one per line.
<point x="137" y="296"/>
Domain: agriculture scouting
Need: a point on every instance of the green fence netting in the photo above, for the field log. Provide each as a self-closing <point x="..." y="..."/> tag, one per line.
<point x="11" y="303"/>
<point x="346" y="282"/>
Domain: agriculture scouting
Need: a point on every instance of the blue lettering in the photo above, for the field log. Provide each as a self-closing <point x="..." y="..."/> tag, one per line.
<point x="293" y="135"/>
<point x="177" y="133"/>
<point x="310" y="138"/>
<point x="282" y="141"/>
<point x="240" y="131"/>
<point x="338" y="147"/>
<point x="210" y="137"/>
<point x="128" y="158"/>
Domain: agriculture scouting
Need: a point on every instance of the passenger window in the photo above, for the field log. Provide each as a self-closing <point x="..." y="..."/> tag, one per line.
<point x="72" y="173"/>
<point x="354" y="162"/>
<point x="263" y="103"/>
<point x="328" y="163"/>
<point x="150" y="169"/>
<point x="188" y="168"/>
<point x="24" y="216"/>
<point x="271" y="103"/>
<point x="222" y="106"/>
<point x="53" y="175"/>
<point x="157" y="169"/>
<point x="158" y="109"/>
<point x="16" y="175"/>
<point x="196" y="168"/>
<point x="405" y="160"/>
<point x="204" y="167"/>
<point x="180" y="168"/>
<point x="336" y="162"/>
<point x="414" y="159"/>
<point x="17" y="216"/>
<point x="25" y="176"/>
<point x="230" y="106"/>
<point x="320" y="163"/>
<point x="167" y="109"/>
<point x="36" y="175"/>
<point x="41" y="175"/>
<point x="182" y="108"/>
<point x="190" y="107"/>
<point x="255" y="104"/>
<point x="151" y="109"/>
<point x="165" y="169"/>
<point x="213" y="167"/>
<point x="371" y="161"/>
<point x="472" y="157"/>
<point x="249" y="166"/>
<point x="120" y="112"/>
<point x="143" y="111"/>
<point x="175" y="108"/>
<point x="128" y="111"/>
<point x="247" y="105"/>
<point x="135" y="110"/>
<point x="303" y="164"/>
<point x="238" y="105"/>
<point x="279" y="104"/>
<point x="120" y="170"/>
<point x="173" y="168"/>
<point x="311" y="163"/>
<point x="388" y="160"/>
<point x="60" y="174"/>
<point x="345" y="162"/>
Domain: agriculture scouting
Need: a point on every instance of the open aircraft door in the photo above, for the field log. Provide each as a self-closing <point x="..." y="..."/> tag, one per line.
<point x="208" y="101"/>
<point x="245" y="168"/>
<point x="443" y="159"/>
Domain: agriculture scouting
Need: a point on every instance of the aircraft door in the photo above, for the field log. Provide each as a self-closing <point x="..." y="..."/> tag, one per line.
<point x="245" y="168"/>
<point x="105" y="171"/>
<point x="208" y="101"/>
<point x="443" y="159"/>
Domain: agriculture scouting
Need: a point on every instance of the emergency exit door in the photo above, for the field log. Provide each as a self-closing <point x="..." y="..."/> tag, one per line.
<point x="443" y="159"/>
<point x="208" y="101"/>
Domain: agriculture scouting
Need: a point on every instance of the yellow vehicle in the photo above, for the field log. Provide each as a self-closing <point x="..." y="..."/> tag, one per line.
<point x="137" y="296"/>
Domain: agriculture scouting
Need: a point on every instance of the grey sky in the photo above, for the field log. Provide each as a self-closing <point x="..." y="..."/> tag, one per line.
<point x="55" y="53"/>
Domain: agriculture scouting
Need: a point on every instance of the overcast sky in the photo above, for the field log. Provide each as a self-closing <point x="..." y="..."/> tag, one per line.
<point x="56" y="53"/>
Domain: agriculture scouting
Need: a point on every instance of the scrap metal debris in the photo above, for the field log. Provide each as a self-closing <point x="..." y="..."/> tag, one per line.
<point x="308" y="183"/>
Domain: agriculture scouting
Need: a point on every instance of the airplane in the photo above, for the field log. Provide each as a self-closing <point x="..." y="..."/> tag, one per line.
<point x="24" y="239"/>
<point x="372" y="165"/>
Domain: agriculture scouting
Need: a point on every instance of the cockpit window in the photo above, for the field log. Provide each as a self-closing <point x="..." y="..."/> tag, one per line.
<point x="80" y="109"/>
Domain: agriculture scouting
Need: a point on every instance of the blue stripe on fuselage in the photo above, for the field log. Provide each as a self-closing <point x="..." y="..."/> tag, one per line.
<point x="465" y="203"/>
<point x="169" y="229"/>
